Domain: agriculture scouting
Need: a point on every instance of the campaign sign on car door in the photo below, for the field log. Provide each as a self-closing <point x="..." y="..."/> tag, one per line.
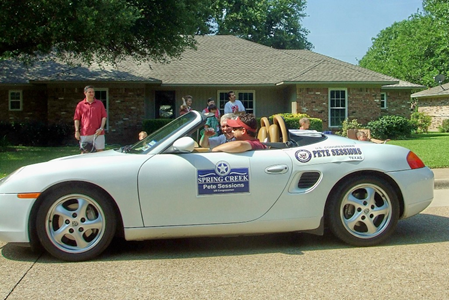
<point x="223" y="180"/>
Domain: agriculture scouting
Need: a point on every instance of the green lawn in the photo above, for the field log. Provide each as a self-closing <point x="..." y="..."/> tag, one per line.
<point x="432" y="148"/>
<point x="19" y="156"/>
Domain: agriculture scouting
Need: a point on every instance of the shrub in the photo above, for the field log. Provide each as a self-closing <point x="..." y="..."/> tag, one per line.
<point x="392" y="127"/>
<point x="444" y="126"/>
<point x="346" y="124"/>
<point x="34" y="133"/>
<point x="421" y="121"/>
<point x="4" y="144"/>
<point x="292" y="121"/>
<point x="151" y="125"/>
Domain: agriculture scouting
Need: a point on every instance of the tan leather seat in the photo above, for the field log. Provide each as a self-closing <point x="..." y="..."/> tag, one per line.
<point x="263" y="134"/>
<point x="274" y="133"/>
<point x="264" y="122"/>
<point x="279" y="131"/>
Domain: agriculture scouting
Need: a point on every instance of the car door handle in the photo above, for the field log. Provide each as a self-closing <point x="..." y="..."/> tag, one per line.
<point x="279" y="169"/>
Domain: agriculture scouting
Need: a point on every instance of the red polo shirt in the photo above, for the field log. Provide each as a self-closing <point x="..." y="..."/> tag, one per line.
<point x="89" y="115"/>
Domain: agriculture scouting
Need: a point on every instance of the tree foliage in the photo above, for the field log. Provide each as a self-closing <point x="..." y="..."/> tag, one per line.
<point x="415" y="49"/>
<point x="107" y="30"/>
<point x="101" y="30"/>
<point x="274" y="23"/>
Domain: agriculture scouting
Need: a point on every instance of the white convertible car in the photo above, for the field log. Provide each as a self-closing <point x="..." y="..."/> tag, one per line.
<point x="165" y="187"/>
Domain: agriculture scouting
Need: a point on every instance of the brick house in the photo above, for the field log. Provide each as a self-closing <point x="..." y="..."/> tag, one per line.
<point x="435" y="103"/>
<point x="266" y="80"/>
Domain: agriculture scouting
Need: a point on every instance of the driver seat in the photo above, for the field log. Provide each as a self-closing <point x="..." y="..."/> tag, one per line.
<point x="263" y="134"/>
<point x="278" y="131"/>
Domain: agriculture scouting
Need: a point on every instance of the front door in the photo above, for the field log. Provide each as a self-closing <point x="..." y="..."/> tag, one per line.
<point x="165" y="104"/>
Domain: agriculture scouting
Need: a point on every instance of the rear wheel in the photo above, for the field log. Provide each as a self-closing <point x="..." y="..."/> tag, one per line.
<point x="75" y="223"/>
<point x="363" y="212"/>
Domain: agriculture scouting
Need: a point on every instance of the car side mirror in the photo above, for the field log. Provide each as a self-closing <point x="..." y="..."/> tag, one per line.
<point x="184" y="144"/>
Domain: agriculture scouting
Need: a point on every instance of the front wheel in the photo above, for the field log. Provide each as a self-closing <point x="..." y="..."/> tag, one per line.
<point x="363" y="212"/>
<point x="75" y="223"/>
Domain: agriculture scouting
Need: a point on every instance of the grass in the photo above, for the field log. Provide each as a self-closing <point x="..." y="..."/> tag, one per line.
<point x="19" y="156"/>
<point x="432" y="148"/>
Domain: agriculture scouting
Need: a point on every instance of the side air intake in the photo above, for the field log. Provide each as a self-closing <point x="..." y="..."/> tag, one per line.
<point x="308" y="179"/>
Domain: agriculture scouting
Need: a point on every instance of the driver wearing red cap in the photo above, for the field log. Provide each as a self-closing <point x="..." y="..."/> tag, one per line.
<point x="244" y="129"/>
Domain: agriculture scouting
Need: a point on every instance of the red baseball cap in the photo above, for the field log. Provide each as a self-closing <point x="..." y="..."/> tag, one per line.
<point x="238" y="123"/>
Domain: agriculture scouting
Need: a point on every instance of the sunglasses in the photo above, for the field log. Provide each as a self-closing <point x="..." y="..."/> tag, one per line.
<point x="237" y="128"/>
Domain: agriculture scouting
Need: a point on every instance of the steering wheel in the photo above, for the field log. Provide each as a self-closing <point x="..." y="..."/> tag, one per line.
<point x="277" y="119"/>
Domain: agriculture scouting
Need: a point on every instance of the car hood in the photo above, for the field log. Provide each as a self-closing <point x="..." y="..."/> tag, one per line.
<point x="97" y="168"/>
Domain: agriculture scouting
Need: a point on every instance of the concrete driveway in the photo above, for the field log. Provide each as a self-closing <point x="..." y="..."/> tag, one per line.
<point x="413" y="264"/>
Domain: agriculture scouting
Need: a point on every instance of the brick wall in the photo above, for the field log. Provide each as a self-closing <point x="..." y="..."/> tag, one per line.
<point x="314" y="102"/>
<point x="398" y="104"/>
<point x="126" y="109"/>
<point x="437" y="108"/>
<point x="363" y="103"/>
<point x="126" y="113"/>
<point x="34" y="104"/>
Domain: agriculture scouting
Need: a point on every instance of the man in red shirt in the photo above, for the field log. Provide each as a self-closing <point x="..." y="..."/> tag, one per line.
<point x="244" y="129"/>
<point x="90" y="119"/>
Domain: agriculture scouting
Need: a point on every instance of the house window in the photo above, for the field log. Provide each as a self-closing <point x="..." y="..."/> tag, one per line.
<point x="102" y="95"/>
<point x="15" y="100"/>
<point x="246" y="97"/>
<point x="383" y="100"/>
<point x="337" y="107"/>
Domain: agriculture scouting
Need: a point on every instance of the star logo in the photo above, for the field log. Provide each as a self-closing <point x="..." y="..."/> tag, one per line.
<point x="222" y="168"/>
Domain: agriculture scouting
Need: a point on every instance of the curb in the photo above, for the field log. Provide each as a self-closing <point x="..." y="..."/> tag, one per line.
<point x="440" y="184"/>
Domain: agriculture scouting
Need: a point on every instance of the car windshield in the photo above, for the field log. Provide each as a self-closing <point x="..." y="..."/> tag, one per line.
<point x="157" y="137"/>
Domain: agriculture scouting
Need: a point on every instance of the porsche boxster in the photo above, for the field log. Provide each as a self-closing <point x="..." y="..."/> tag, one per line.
<point x="166" y="186"/>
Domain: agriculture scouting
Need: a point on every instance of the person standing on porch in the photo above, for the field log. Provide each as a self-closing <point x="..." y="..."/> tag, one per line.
<point x="186" y="105"/>
<point x="233" y="105"/>
<point x="90" y="120"/>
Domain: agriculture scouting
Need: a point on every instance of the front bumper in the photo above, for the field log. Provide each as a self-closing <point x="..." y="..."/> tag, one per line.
<point x="14" y="216"/>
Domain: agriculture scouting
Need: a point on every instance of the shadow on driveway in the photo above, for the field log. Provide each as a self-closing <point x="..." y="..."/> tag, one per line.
<point x="420" y="229"/>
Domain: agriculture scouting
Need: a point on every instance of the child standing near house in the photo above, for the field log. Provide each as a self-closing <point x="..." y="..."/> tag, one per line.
<point x="304" y="124"/>
<point x="212" y="122"/>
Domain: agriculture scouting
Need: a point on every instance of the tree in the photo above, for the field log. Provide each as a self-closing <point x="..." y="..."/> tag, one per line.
<point x="274" y="23"/>
<point x="100" y="30"/>
<point x="414" y="50"/>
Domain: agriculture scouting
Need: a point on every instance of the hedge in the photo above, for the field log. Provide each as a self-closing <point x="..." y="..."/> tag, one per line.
<point x="35" y="133"/>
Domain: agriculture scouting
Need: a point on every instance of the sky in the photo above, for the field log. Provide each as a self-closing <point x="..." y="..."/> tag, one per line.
<point x="343" y="29"/>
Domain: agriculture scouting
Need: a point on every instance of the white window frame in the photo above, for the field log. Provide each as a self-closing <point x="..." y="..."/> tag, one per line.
<point x="345" y="108"/>
<point x="383" y="100"/>
<point x="10" y="100"/>
<point x="236" y="92"/>
<point x="107" y="103"/>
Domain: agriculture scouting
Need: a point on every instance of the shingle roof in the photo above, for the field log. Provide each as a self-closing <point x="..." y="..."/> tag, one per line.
<point x="12" y="72"/>
<point x="438" y="91"/>
<point x="218" y="60"/>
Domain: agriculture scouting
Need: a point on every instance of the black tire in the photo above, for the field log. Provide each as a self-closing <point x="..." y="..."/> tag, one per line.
<point x="363" y="211"/>
<point x="75" y="223"/>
